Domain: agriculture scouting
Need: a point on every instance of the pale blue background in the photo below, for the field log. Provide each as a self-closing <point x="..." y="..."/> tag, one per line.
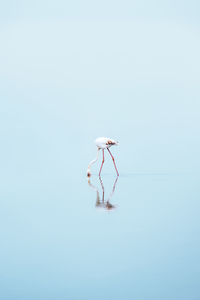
<point x="73" y="71"/>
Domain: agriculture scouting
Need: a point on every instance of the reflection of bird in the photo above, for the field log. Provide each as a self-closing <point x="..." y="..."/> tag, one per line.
<point x="103" y="143"/>
<point x="102" y="203"/>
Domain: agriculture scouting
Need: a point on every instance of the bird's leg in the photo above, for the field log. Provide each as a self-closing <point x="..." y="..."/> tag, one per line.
<point x="102" y="163"/>
<point x="113" y="161"/>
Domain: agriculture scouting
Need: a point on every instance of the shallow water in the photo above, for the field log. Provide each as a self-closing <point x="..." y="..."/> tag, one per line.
<point x="60" y="240"/>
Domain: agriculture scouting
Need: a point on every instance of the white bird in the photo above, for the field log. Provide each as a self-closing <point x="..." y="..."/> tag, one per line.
<point x="103" y="143"/>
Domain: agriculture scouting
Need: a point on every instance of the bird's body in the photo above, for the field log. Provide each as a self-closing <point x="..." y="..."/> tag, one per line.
<point x="103" y="143"/>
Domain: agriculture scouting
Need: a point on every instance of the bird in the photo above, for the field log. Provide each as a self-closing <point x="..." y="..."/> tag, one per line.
<point x="103" y="143"/>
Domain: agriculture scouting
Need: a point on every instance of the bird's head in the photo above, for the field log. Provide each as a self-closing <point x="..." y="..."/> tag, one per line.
<point x="88" y="173"/>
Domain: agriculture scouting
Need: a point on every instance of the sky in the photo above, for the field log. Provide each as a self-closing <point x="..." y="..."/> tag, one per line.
<point x="72" y="71"/>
